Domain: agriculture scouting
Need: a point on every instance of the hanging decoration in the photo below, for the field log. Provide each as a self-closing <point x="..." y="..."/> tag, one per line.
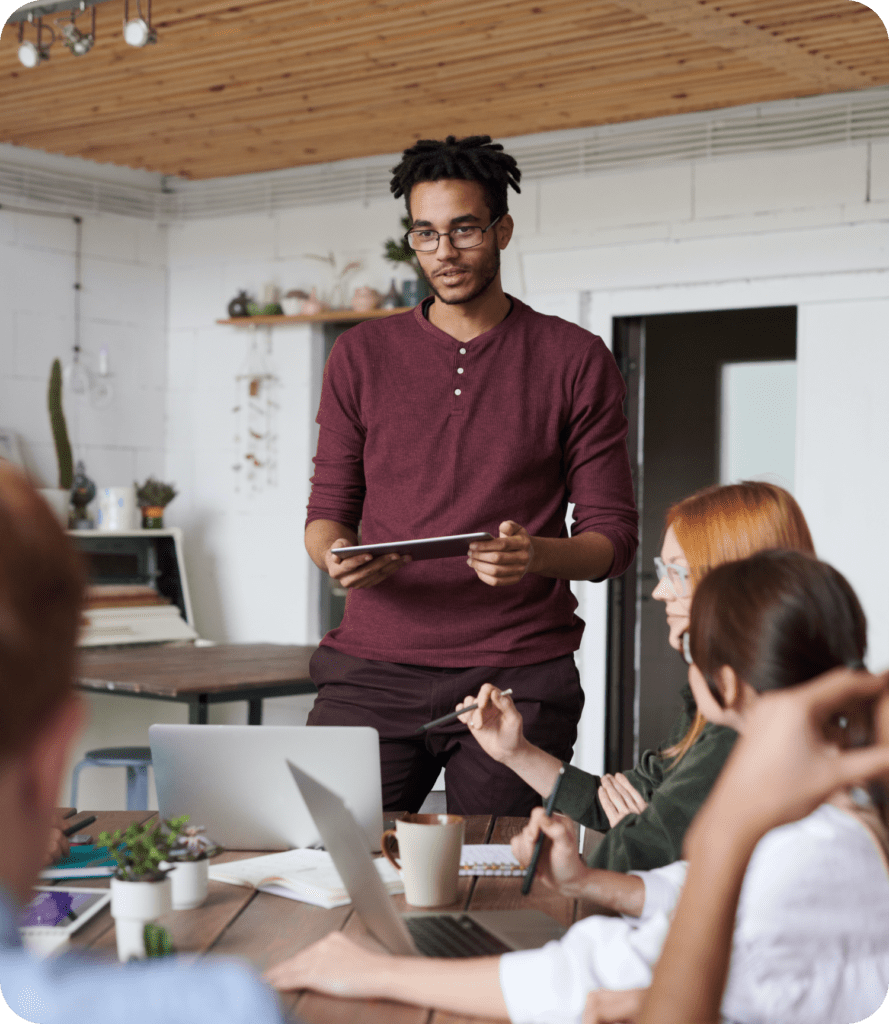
<point x="256" y="412"/>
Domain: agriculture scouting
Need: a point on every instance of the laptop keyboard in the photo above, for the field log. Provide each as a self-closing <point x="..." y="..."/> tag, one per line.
<point x="453" y="936"/>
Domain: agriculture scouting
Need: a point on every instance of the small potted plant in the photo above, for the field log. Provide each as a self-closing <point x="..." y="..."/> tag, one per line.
<point x="398" y="251"/>
<point x="189" y="858"/>
<point x="140" y="888"/>
<point x="153" y="497"/>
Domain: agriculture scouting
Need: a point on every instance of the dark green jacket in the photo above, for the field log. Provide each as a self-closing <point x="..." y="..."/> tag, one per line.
<point x="653" y="838"/>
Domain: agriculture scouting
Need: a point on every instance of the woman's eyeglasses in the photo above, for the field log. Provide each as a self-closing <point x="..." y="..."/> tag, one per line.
<point x="676" y="576"/>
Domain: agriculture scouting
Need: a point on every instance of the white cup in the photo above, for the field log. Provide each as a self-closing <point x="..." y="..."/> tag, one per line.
<point x="429" y="848"/>
<point x="117" y="508"/>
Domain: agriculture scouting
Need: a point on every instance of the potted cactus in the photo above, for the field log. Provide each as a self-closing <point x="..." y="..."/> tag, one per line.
<point x="153" y="497"/>
<point x="59" y="498"/>
<point x="140" y="888"/>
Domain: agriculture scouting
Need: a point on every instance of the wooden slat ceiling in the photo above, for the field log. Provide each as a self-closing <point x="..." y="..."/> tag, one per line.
<point x="255" y="85"/>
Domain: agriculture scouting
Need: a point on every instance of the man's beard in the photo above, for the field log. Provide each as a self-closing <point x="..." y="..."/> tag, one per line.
<point x="487" y="271"/>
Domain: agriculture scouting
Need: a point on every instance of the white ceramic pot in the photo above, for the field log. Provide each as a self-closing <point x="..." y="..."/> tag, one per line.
<point x="190" y="880"/>
<point x="117" y="508"/>
<point x="59" y="500"/>
<point x="133" y="905"/>
<point x="291" y="305"/>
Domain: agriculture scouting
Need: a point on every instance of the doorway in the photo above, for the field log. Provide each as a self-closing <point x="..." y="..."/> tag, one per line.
<point x="690" y="380"/>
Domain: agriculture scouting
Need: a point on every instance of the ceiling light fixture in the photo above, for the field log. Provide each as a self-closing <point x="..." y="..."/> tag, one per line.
<point x="78" y="42"/>
<point x="138" y="31"/>
<point x="32" y="54"/>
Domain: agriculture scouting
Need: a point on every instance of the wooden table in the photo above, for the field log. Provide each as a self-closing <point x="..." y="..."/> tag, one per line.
<point x="199" y="676"/>
<point x="265" y="929"/>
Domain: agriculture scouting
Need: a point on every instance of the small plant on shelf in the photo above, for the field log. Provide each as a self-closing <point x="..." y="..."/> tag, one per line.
<point x="139" y="850"/>
<point x="153" y="497"/>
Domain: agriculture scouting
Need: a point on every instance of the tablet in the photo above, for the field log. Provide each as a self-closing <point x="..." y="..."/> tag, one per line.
<point x="61" y="911"/>
<point x="427" y="547"/>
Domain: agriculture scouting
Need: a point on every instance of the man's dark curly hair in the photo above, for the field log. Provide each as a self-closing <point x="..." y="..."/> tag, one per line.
<point x="475" y="158"/>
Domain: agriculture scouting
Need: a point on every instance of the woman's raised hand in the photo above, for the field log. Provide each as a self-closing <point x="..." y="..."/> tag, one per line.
<point x="495" y="723"/>
<point x="560" y="866"/>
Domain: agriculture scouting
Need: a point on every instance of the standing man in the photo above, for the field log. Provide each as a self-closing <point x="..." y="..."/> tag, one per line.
<point x="469" y="413"/>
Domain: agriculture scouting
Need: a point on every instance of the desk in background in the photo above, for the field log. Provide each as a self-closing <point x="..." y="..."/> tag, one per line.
<point x="265" y="929"/>
<point x="199" y="676"/>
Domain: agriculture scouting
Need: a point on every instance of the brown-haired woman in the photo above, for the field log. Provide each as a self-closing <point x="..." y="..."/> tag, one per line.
<point x="646" y="811"/>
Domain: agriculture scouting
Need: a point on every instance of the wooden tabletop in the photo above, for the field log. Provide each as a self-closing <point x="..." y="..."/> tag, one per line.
<point x="173" y="671"/>
<point x="265" y="929"/>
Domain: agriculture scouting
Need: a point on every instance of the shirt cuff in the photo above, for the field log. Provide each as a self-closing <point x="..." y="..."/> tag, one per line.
<point x="662" y="889"/>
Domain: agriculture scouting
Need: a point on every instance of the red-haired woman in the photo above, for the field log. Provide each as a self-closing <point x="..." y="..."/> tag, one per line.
<point x="646" y="811"/>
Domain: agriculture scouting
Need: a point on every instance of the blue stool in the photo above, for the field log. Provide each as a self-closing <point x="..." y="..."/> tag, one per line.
<point x="136" y="760"/>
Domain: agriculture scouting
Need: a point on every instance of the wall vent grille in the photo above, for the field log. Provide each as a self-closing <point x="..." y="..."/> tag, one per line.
<point x="834" y="120"/>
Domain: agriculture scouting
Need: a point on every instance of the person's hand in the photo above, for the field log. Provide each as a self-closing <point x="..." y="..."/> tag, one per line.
<point x="361" y="571"/>
<point x="560" y="866"/>
<point x="619" y="797"/>
<point x="496" y="723"/>
<point x="785" y="765"/>
<point x="335" y="965"/>
<point x="605" y="1006"/>
<point x="503" y="561"/>
<point x="58" y="845"/>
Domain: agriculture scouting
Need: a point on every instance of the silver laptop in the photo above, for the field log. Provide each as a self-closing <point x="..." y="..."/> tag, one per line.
<point x="455" y="934"/>
<point x="233" y="780"/>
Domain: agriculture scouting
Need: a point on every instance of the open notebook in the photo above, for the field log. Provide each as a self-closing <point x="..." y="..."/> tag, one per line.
<point x="305" y="875"/>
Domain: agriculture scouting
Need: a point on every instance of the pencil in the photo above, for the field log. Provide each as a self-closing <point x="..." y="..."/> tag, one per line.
<point x="453" y="715"/>
<point x="538" y="845"/>
<point x="78" y="825"/>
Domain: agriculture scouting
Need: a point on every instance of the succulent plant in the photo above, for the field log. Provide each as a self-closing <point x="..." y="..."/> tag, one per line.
<point x="154" y="494"/>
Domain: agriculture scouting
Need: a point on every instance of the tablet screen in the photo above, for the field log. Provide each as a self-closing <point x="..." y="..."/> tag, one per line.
<point x="59" y="908"/>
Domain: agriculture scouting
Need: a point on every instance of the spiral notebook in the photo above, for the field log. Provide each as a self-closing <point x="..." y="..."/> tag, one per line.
<point x="490" y="859"/>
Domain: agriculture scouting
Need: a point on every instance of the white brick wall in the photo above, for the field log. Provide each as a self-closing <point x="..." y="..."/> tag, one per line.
<point x="805" y="227"/>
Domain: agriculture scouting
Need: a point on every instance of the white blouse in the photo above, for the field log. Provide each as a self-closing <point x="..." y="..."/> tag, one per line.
<point x="811" y="941"/>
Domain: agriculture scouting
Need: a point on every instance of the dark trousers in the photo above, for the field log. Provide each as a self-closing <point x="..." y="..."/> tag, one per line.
<point x="395" y="699"/>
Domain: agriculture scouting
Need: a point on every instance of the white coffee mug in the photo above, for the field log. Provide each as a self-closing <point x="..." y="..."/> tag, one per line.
<point x="429" y="848"/>
<point x="117" y="508"/>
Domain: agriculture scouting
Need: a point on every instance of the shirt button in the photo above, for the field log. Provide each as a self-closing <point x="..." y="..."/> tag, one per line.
<point x="462" y="351"/>
<point x="457" y="392"/>
<point x="459" y="369"/>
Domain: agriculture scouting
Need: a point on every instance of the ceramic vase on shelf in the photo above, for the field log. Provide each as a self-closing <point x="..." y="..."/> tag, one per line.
<point x="133" y="905"/>
<point x="190" y="880"/>
<point x="152" y="517"/>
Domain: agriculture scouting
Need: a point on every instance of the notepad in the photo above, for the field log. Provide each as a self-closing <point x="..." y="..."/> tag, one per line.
<point x="490" y="859"/>
<point x="305" y="875"/>
<point x="83" y="862"/>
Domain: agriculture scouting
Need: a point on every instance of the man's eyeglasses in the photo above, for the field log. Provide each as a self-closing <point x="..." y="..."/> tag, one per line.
<point x="675" y="575"/>
<point x="466" y="236"/>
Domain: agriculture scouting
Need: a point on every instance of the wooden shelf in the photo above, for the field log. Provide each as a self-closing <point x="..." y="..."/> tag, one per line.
<point x="341" y="316"/>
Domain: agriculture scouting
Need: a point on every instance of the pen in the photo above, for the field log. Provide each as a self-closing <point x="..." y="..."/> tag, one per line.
<point x="454" y="714"/>
<point x="538" y="845"/>
<point x="78" y="825"/>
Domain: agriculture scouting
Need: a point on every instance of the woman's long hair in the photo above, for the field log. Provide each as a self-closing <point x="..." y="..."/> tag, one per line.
<point x="777" y="619"/>
<point x="726" y="523"/>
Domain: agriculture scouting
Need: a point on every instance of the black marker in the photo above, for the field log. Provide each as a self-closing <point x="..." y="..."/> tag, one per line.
<point x="538" y="845"/>
<point x="78" y="825"/>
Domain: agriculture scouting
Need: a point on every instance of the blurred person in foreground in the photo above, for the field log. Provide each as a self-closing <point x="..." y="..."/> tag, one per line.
<point x="41" y="588"/>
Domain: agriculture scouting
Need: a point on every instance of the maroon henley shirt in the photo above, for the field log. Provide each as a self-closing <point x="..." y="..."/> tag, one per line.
<point x="422" y="435"/>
